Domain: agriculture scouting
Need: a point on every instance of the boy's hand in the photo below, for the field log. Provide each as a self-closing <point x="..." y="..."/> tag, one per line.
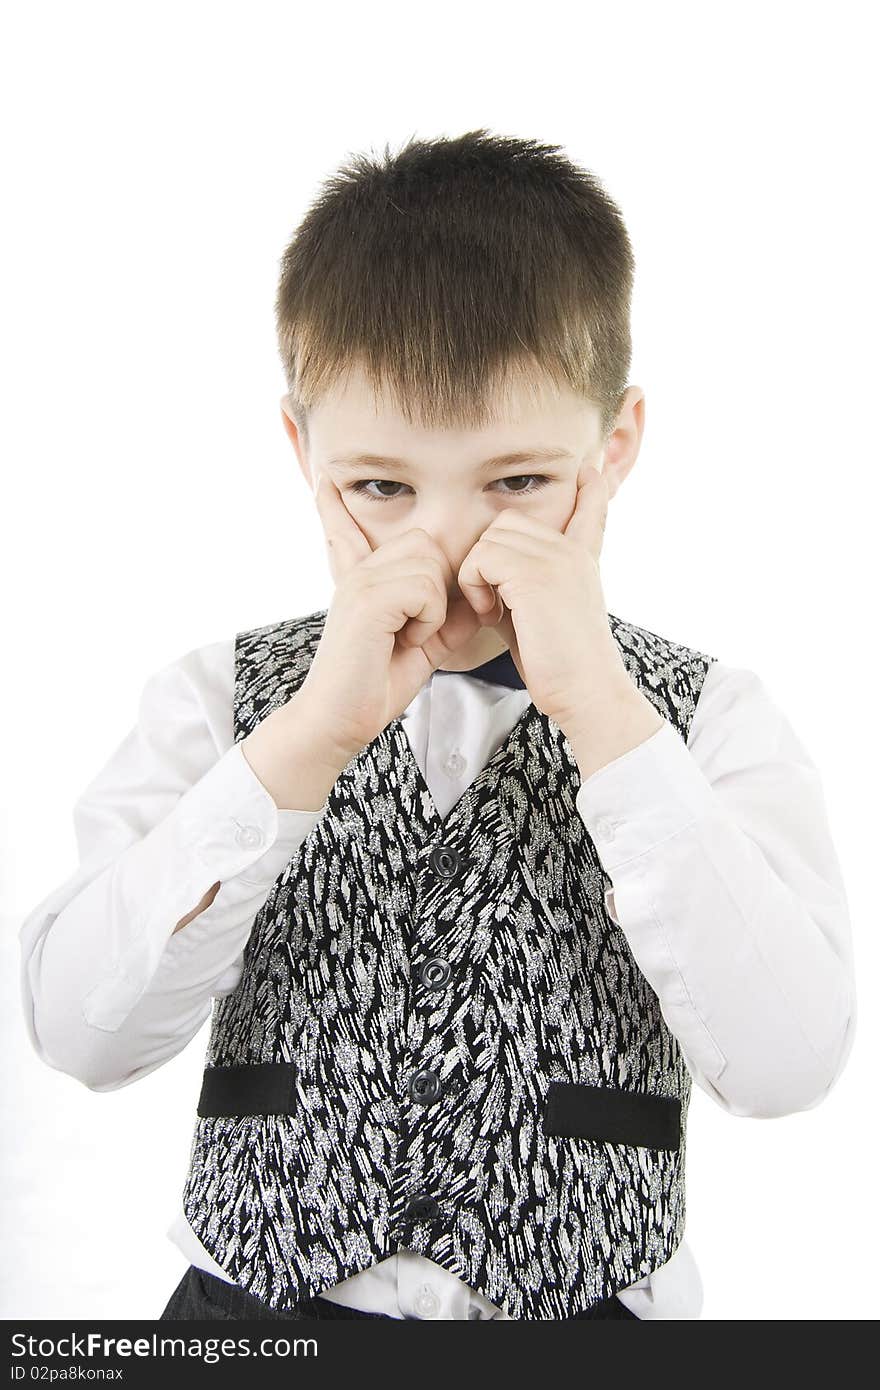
<point x="550" y="608"/>
<point x="388" y="627"/>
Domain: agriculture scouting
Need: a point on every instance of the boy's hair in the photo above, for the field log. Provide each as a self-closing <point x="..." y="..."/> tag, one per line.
<point x="450" y="269"/>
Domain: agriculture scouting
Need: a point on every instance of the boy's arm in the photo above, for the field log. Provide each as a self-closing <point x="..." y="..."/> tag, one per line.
<point x="117" y="968"/>
<point x="727" y="886"/>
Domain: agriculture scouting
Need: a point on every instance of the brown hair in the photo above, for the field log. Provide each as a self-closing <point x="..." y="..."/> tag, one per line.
<point x="450" y="268"/>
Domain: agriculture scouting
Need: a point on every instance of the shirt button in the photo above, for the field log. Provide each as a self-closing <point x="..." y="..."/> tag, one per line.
<point x="427" y="1303"/>
<point x="455" y="765"/>
<point x="603" y="830"/>
<point x="249" y="836"/>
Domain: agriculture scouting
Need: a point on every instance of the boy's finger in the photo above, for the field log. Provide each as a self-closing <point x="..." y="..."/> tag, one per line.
<point x="342" y="533"/>
<point x="586" y="525"/>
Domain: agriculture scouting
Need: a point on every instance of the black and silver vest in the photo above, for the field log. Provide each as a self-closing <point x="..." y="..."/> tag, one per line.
<point x="441" y="1040"/>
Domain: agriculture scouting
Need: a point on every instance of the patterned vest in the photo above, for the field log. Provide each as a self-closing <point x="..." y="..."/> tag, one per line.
<point x="441" y="1040"/>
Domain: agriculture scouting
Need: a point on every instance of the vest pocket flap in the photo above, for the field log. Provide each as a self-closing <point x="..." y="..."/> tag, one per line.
<point x="612" y="1115"/>
<point x="261" y="1088"/>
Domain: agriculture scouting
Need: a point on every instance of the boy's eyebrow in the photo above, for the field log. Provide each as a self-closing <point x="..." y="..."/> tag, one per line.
<point x="541" y="453"/>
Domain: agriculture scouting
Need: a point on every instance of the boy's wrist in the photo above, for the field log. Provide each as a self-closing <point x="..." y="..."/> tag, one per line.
<point x="293" y="756"/>
<point x="611" y="729"/>
<point x="307" y="722"/>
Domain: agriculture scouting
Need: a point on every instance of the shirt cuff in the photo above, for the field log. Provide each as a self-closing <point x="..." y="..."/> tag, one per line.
<point x="226" y="826"/>
<point x="647" y="795"/>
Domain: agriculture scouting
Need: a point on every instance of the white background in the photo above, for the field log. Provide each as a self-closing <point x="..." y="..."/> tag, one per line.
<point x="157" y="158"/>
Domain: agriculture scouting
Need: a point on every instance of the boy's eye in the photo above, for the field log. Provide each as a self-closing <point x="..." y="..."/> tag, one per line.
<point x="534" y="481"/>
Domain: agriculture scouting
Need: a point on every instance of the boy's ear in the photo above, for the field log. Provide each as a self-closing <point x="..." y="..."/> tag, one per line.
<point x="621" y="449"/>
<point x="293" y="434"/>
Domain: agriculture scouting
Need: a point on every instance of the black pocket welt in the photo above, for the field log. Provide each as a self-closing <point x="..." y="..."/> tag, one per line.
<point x="261" y="1088"/>
<point x="610" y="1114"/>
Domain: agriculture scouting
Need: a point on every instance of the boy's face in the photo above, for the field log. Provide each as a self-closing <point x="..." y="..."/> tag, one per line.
<point x="453" y="483"/>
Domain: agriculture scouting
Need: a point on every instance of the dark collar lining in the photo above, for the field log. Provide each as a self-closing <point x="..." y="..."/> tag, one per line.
<point x="499" y="671"/>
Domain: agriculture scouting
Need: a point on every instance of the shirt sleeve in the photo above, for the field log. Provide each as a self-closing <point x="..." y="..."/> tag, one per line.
<point x="726" y="883"/>
<point x="110" y="991"/>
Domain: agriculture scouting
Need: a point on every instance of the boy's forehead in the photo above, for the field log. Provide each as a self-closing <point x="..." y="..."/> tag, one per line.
<point x="352" y="425"/>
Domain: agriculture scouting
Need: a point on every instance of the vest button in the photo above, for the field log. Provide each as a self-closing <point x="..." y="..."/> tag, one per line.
<point x="445" y="861"/>
<point x="435" y="973"/>
<point x="424" y="1086"/>
<point x="422" y="1209"/>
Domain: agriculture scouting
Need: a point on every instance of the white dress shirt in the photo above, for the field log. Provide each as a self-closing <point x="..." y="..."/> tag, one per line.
<point x="725" y="882"/>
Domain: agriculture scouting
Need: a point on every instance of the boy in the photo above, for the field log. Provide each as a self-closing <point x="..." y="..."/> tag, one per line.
<point x="483" y="875"/>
